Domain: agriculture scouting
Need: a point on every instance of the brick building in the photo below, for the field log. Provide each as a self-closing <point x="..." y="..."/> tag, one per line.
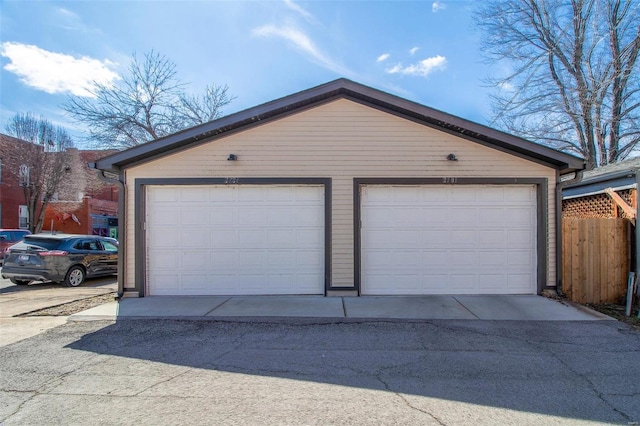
<point x="12" y="201"/>
<point x="88" y="206"/>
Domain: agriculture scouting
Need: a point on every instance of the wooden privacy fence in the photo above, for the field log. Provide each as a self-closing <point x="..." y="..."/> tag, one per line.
<point x="595" y="256"/>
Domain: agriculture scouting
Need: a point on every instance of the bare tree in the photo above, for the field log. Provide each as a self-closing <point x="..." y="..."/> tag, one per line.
<point x="147" y="104"/>
<point x="39" y="156"/>
<point x="572" y="78"/>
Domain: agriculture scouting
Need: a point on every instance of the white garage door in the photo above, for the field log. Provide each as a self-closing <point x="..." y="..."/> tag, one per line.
<point x="235" y="240"/>
<point x="438" y="239"/>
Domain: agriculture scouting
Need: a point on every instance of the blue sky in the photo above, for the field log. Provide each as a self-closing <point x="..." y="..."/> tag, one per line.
<point x="425" y="51"/>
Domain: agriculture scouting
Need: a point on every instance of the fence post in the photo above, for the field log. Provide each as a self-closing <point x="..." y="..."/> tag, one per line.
<point x="630" y="293"/>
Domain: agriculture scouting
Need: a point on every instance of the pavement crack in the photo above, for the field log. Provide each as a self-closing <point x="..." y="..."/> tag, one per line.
<point x="162" y="382"/>
<point x="600" y="395"/>
<point x="406" y="402"/>
<point x="39" y="390"/>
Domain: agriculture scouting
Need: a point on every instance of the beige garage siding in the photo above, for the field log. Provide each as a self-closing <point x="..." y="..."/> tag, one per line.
<point x="339" y="140"/>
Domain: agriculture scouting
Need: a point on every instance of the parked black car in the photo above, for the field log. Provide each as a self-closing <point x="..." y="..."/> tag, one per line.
<point x="62" y="258"/>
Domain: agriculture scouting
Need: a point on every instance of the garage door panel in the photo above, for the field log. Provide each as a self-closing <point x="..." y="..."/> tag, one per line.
<point x="493" y="281"/>
<point x="515" y="195"/>
<point x="519" y="217"/>
<point x="432" y="259"/>
<point x="491" y="216"/>
<point x="226" y="240"/>
<point x="434" y="283"/>
<point x="254" y="238"/>
<point x="463" y="216"/>
<point x="309" y="238"/>
<point x="190" y="195"/>
<point x="520" y="238"/>
<point x="474" y="239"/>
<point x="250" y="195"/>
<point x="164" y="238"/>
<point x="168" y="216"/>
<point x="194" y="259"/>
<point x="407" y="217"/>
<point x="224" y="259"/>
<point x="463" y="194"/>
<point x="193" y="282"/>
<point x="220" y="198"/>
<point x="463" y="259"/>
<point x="308" y="259"/>
<point x="250" y="216"/>
<point x="196" y="238"/>
<point x="165" y="257"/>
<point x="432" y="216"/>
<point x="519" y="281"/>
<point x="466" y="282"/>
<point x="379" y="216"/>
<point x="169" y="196"/>
<point x="463" y="238"/>
<point x="221" y="216"/>
<point x="308" y="216"/>
<point x="517" y="258"/>
<point x="492" y="238"/>
<point x="406" y="258"/>
<point x="378" y="260"/>
<point x="492" y="258"/>
<point x="434" y="238"/>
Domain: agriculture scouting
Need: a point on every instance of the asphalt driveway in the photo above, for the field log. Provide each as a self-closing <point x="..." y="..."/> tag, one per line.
<point x="19" y="300"/>
<point x="167" y="372"/>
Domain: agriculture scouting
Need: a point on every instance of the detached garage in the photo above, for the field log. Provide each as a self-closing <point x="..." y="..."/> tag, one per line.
<point x="339" y="190"/>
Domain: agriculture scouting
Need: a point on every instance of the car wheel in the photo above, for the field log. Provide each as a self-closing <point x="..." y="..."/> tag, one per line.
<point x="19" y="282"/>
<point x="75" y="277"/>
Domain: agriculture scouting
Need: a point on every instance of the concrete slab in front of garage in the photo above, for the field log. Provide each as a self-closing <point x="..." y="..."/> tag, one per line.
<point x="408" y="307"/>
<point x="526" y="308"/>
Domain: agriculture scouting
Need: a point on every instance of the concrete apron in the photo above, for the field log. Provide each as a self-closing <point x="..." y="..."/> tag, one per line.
<point x="492" y="307"/>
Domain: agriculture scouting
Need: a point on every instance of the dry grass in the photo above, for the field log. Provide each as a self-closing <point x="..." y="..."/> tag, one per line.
<point x="617" y="312"/>
<point x="71" y="308"/>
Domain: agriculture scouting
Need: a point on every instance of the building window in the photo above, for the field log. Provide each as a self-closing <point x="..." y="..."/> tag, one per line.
<point x="23" y="217"/>
<point x="106" y="226"/>
<point x="23" y="175"/>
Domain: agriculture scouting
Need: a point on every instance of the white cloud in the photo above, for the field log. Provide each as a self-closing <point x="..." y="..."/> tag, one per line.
<point x="413" y="50"/>
<point x="302" y="42"/>
<point x="299" y="9"/>
<point x="506" y="86"/>
<point x="422" y="68"/>
<point x="56" y="72"/>
<point x="437" y="6"/>
<point x="383" y="57"/>
<point x="67" y="19"/>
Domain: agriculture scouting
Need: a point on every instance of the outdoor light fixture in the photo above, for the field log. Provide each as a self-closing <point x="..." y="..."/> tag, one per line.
<point x="452" y="157"/>
<point x="232" y="157"/>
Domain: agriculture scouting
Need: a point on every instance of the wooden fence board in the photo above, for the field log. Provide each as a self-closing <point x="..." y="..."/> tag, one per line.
<point x="595" y="254"/>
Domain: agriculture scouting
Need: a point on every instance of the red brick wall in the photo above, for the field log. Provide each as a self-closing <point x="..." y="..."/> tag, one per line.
<point x="60" y="212"/>
<point x="11" y="195"/>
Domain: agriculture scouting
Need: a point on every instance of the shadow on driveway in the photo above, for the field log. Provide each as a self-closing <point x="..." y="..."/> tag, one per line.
<point x="570" y="370"/>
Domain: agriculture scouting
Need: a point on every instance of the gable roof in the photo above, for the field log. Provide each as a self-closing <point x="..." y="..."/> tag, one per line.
<point x="618" y="176"/>
<point x="337" y="89"/>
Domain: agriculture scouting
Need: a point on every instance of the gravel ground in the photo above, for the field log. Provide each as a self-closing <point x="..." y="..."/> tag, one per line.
<point x="71" y="308"/>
